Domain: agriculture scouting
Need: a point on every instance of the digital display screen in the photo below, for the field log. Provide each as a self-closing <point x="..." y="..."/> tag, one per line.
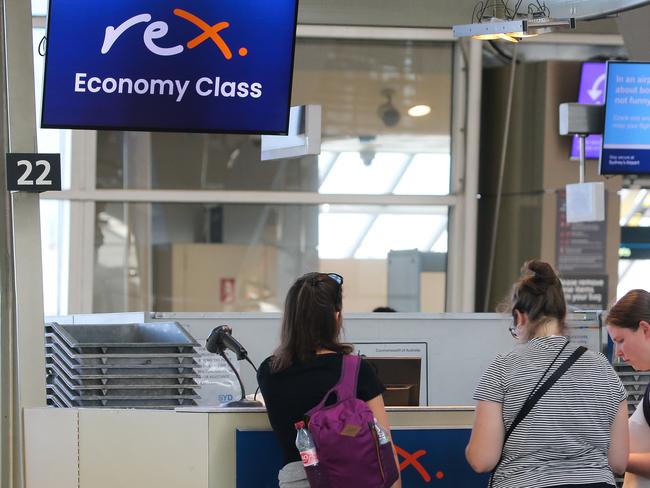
<point x="626" y="137"/>
<point x="200" y="66"/>
<point x="592" y="91"/>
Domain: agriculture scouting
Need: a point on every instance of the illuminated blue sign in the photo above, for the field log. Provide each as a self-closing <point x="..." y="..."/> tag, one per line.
<point x="202" y="66"/>
<point x="592" y="92"/>
<point x="626" y="137"/>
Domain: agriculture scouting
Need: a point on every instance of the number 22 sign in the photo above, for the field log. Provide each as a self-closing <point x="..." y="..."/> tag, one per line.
<point x="33" y="172"/>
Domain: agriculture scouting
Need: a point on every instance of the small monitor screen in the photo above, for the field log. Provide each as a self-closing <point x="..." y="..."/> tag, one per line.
<point x="592" y="92"/>
<point x="401" y="377"/>
<point x="626" y="136"/>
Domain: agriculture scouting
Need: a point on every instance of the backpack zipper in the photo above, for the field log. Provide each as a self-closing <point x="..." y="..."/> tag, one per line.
<point x="377" y="448"/>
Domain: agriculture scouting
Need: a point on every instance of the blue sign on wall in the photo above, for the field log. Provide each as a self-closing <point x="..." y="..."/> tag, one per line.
<point x="428" y="458"/>
<point x="592" y="92"/>
<point x="626" y="137"/>
<point x="200" y="66"/>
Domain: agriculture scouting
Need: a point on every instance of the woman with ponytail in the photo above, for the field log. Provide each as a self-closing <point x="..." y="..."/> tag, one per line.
<point x="575" y="435"/>
<point x="628" y="324"/>
<point x="307" y="364"/>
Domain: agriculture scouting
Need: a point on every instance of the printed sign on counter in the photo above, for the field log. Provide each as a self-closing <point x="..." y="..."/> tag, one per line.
<point x="218" y="383"/>
<point x="202" y="66"/>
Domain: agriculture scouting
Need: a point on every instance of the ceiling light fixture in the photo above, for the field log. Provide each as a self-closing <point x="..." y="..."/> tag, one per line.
<point x="512" y="30"/>
<point x="497" y="20"/>
<point x="419" y="110"/>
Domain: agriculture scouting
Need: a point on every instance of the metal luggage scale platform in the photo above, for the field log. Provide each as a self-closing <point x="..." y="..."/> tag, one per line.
<point x="635" y="383"/>
<point x="149" y="365"/>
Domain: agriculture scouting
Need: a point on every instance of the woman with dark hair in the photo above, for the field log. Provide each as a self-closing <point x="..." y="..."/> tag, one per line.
<point x="576" y="433"/>
<point x="628" y="323"/>
<point x="307" y="364"/>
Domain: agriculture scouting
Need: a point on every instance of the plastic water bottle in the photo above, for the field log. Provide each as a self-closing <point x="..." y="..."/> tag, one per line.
<point x="382" y="435"/>
<point x="305" y="445"/>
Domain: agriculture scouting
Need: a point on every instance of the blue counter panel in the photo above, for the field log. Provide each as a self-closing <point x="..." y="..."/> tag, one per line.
<point x="428" y="457"/>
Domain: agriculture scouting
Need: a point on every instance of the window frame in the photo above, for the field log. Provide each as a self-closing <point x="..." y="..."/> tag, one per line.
<point x="83" y="195"/>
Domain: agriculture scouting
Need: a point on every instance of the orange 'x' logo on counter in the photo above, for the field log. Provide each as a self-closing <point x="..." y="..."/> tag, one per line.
<point x="412" y="459"/>
<point x="209" y="32"/>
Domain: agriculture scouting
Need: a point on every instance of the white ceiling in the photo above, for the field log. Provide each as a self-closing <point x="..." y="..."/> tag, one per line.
<point x="441" y="13"/>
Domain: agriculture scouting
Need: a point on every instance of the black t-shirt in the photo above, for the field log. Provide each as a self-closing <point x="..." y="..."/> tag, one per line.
<point x="292" y="392"/>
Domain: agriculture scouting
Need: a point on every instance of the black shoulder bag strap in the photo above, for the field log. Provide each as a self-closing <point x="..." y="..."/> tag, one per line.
<point x="538" y="393"/>
<point x="646" y="404"/>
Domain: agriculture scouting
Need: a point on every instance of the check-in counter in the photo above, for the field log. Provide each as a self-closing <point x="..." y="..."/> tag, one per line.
<point x="215" y="448"/>
<point x="208" y="447"/>
<point x="454" y="349"/>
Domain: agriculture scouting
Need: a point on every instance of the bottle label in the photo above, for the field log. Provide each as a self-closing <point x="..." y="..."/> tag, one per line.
<point x="381" y="434"/>
<point x="309" y="457"/>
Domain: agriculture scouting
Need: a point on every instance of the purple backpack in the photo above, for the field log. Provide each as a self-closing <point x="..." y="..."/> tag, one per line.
<point x="347" y="445"/>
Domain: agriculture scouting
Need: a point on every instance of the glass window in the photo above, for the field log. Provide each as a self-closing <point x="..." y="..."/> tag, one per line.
<point x="200" y="258"/>
<point x="55" y="249"/>
<point x="372" y="232"/>
<point x="634" y="258"/>
<point x="244" y="257"/>
<point x="370" y="143"/>
<point x="39" y="7"/>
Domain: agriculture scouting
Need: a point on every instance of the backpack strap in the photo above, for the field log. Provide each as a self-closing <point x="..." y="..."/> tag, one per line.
<point x="347" y="385"/>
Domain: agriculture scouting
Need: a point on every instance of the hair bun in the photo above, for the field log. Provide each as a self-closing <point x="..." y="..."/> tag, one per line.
<point x="542" y="273"/>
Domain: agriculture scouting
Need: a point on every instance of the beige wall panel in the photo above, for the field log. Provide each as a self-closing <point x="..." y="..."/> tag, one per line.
<point x="365" y="283"/>
<point x="161" y="449"/>
<point x="432" y="292"/>
<point x="142" y="448"/>
<point x="223" y="427"/>
<point x="51" y="454"/>
<point x="424" y="417"/>
<point x="195" y="272"/>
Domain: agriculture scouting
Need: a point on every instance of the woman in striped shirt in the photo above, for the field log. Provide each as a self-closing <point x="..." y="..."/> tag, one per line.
<point x="576" y="434"/>
<point x="628" y="323"/>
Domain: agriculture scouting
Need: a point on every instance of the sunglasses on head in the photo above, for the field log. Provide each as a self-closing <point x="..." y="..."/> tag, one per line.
<point x="513" y="331"/>
<point x="336" y="277"/>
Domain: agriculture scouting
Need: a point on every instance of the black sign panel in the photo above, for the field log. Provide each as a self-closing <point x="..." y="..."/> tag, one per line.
<point x="33" y="172"/>
<point x="581" y="246"/>
<point x="585" y="292"/>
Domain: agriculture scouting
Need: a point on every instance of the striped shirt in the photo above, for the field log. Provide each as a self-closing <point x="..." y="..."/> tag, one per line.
<point x="565" y="437"/>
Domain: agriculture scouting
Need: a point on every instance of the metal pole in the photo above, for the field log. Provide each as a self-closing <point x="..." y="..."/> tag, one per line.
<point x="7" y="293"/>
<point x="502" y="167"/>
<point x="582" y="138"/>
<point x="454" y="295"/>
<point x="27" y="339"/>
<point x="471" y="174"/>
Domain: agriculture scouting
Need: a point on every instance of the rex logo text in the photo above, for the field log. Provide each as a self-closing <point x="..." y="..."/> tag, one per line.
<point x="159" y="29"/>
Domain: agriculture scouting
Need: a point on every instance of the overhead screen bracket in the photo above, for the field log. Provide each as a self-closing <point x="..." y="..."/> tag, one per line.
<point x="585" y="202"/>
<point x="581" y="119"/>
<point x="303" y="138"/>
